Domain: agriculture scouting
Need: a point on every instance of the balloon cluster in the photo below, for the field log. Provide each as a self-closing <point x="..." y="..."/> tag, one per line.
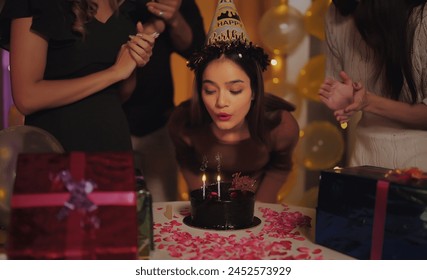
<point x="282" y="29"/>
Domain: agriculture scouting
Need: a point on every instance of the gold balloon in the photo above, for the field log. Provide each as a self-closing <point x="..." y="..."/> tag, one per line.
<point x="311" y="77"/>
<point x="321" y="146"/>
<point x="290" y="183"/>
<point x="287" y="91"/>
<point x="282" y="29"/>
<point x="314" y="18"/>
<point x="15" y="117"/>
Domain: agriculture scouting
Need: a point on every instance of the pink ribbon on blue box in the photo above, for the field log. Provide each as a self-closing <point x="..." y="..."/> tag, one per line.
<point x="380" y="212"/>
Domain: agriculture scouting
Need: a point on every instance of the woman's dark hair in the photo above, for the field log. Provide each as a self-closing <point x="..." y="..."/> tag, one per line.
<point x="85" y="10"/>
<point x="252" y="60"/>
<point x="387" y="28"/>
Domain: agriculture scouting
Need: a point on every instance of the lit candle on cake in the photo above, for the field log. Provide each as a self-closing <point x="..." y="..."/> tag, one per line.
<point x="203" y="169"/>
<point x="218" y="178"/>
<point x="204" y="185"/>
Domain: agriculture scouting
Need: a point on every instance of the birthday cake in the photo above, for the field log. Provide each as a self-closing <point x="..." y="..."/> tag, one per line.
<point x="230" y="207"/>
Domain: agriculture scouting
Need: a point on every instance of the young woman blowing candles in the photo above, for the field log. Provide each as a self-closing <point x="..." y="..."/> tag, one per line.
<point x="230" y="115"/>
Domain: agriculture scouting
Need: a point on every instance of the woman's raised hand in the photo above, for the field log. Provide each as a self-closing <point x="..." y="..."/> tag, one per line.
<point x="135" y="53"/>
<point x="335" y="94"/>
<point x="141" y="45"/>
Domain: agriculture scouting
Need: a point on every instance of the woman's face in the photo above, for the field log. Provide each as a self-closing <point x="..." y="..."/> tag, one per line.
<point x="226" y="93"/>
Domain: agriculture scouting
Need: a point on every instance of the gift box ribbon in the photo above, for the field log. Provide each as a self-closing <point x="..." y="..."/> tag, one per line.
<point x="380" y="213"/>
<point x="57" y="199"/>
<point x="404" y="176"/>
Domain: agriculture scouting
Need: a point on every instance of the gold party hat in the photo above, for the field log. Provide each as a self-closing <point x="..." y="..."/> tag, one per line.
<point x="226" y="25"/>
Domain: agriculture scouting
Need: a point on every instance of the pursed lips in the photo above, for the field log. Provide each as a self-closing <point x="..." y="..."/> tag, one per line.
<point x="223" y="116"/>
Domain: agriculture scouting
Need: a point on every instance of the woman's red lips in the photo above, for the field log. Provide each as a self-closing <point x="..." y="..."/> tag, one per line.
<point x="224" y="117"/>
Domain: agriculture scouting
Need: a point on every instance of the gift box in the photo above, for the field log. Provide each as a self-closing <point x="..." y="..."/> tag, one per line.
<point x="373" y="213"/>
<point x="73" y="206"/>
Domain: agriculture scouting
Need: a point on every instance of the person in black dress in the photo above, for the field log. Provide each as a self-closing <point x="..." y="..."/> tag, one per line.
<point x="181" y="29"/>
<point x="72" y="65"/>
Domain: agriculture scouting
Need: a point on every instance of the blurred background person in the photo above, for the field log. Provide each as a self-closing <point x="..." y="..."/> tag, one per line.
<point x="181" y="29"/>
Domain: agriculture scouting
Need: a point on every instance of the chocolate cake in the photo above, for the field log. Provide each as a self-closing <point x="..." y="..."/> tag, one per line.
<point x="233" y="210"/>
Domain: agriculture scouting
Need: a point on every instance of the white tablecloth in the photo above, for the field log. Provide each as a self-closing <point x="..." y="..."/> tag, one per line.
<point x="285" y="232"/>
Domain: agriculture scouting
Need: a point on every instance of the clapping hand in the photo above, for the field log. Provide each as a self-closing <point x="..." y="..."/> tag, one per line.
<point x="360" y="101"/>
<point x="335" y="94"/>
<point x="135" y="53"/>
<point x="344" y="98"/>
<point x="141" y="45"/>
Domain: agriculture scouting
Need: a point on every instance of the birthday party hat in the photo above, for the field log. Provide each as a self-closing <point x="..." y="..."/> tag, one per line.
<point x="226" y="25"/>
<point x="227" y="34"/>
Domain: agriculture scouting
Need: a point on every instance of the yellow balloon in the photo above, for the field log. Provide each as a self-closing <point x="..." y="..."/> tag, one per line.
<point x="282" y="29"/>
<point x="314" y="18"/>
<point x="311" y="76"/>
<point x="290" y="183"/>
<point x="287" y="91"/>
<point x="321" y="146"/>
<point x="15" y="117"/>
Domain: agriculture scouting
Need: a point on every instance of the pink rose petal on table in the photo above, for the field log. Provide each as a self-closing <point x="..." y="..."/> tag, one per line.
<point x="317" y="251"/>
<point x="299" y="238"/>
<point x="303" y="249"/>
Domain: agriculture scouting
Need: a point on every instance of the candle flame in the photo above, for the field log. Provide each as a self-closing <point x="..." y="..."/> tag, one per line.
<point x="218" y="178"/>
<point x="204" y="178"/>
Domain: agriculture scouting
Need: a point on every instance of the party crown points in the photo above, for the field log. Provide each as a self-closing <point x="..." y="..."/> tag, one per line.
<point x="226" y="25"/>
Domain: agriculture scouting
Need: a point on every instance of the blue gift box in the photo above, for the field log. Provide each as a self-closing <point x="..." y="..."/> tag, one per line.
<point x="364" y="214"/>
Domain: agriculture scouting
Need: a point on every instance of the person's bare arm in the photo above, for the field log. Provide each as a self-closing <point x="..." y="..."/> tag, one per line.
<point x="410" y="115"/>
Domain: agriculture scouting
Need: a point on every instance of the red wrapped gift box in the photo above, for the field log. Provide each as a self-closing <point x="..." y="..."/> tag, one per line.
<point x="73" y="206"/>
